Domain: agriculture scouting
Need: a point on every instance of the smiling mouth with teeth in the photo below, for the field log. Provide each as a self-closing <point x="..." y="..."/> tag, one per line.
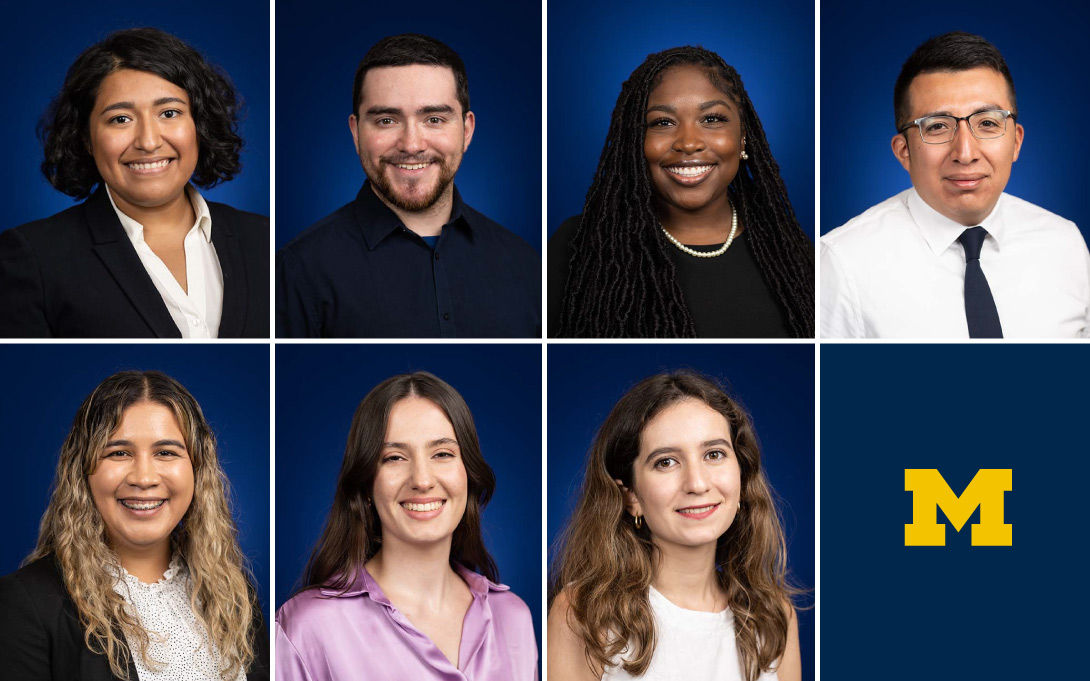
<point x="141" y="505"/>
<point x="430" y="506"/>
<point x="413" y="166"/>
<point x="697" y="511"/>
<point x="689" y="171"/>
<point x="150" y="166"/>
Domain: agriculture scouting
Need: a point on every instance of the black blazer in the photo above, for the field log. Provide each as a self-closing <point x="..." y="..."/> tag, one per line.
<point x="41" y="638"/>
<point x="77" y="275"/>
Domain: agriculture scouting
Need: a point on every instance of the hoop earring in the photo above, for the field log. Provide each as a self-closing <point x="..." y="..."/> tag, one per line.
<point x="637" y="521"/>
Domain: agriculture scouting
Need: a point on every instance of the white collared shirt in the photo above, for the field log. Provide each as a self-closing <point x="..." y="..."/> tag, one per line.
<point x="196" y="313"/>
<point x="898" y="271"/>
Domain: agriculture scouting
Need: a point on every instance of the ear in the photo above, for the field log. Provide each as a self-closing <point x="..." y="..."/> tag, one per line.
<point x="631" y="502"/>
<point x="353" y="125"/>
<point x="899" y="144"/>
<point x="1019" y="132"/>
<point x="469" y="123"/>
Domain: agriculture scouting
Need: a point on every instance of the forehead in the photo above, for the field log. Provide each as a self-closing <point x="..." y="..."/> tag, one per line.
<point x="689" y="419"/>
<point x="129" y="85"/>
<point x="685" y="83"/>
<point x="409" y="87"/>
<point x="417" y="418"/>
<point x="958" y="92"/>
<point x="149" y="418"/>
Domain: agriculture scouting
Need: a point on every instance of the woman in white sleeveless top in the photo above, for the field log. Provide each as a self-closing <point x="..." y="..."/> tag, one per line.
<point x="672" y="566"/>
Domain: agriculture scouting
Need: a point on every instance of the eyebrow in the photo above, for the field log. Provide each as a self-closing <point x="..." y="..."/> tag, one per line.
<point x="157" y="443"/>
<point x="703" y="107"/>
<point x="433" y="443"/>
<point x="159" y="102"/>
<point x="944" y="112"/>
<point x="718" y="442"/>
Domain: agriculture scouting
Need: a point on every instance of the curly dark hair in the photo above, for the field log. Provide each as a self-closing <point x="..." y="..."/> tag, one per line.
<point x="217" y="107"/>
<point x="622" y="281"/>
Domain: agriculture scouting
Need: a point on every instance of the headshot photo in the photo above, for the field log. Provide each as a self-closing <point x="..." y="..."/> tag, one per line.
<point x="681" y="513"/>
<point x="408" y="512"/>
<point x="676" y="210"/>
<point x="137" y="541"/>
<point x="422" y="218"/>
<point x="960" y="216"/>
<point x="111" y="225"/>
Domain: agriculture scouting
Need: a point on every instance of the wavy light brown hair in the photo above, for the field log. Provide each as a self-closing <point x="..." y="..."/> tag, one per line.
<point x="72" y="531"/>
<point x="604" y="564"/>
<point x="353" y="532"/>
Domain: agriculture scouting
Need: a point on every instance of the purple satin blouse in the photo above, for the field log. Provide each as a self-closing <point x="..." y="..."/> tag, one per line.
<point x="322" y="635"/>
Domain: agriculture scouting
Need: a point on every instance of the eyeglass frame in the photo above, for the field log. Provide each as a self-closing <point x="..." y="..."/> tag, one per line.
<point x="1007" y="113"/>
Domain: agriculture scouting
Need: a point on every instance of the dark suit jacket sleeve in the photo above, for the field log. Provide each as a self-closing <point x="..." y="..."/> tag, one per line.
<point x="22" y="301"/>
<point x="295" y="313"/>
<point x="24" y="643"/>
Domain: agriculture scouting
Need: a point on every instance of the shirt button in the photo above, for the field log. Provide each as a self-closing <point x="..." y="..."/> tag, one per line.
<point x="195" y="322"/>
<point x="446" y="316"/>
<point x="436" y="256"/>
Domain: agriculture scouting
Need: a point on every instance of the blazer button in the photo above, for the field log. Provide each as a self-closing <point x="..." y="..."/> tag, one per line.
<point x="446" y="316"/>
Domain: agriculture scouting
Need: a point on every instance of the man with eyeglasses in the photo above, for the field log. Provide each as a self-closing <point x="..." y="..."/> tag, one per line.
<point x="954" y="256"/>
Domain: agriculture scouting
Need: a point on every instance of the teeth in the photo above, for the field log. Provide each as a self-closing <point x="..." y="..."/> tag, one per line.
<point x="430" y="506"/>
<point x="689" y="171"/>
<point x="413" y="166"/>
<point x="703" y="509"/>
<point x="150" y="166"/>
<point x="142" y="505"/>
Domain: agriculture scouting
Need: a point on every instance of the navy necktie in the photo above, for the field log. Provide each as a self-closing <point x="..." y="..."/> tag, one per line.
<point x="980" y="309"/>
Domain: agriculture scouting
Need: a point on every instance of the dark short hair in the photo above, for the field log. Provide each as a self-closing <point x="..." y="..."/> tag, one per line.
<point x="954" y="51"/>
<point x="407" y="49"/>
<point x="216" y="106"/>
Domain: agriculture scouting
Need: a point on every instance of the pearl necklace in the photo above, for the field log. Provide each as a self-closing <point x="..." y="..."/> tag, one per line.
<point x="707" y="254"/>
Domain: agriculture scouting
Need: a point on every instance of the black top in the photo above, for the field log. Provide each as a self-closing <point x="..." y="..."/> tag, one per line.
<point x="360" y="273"/>
<point x="41" y="638"/>
<point x="727" y="295"/>
<point x="76" y="274"/>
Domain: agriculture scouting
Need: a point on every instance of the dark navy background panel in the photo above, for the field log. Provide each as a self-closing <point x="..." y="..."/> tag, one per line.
<point x="319" y="44"/>
<point x="863" y="45"/>
<point x="44" y="386"/>
<point x="40" y="40"/>
<point x="318" y="388"/>
<point x="956" y="611"/>
<point x="775" y="383"/>
<point x="595" y="46"/>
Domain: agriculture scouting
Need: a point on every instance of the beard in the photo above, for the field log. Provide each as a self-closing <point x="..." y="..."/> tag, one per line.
<point x="416" y="197"/>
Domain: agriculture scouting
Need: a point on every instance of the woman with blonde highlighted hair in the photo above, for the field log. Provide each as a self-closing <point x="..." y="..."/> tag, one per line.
<point x="137" y="574"/>
<point x="674" y="562"/>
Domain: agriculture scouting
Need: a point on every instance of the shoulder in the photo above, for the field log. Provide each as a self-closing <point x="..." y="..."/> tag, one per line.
<point x="507" y="606"/>
<point x="869" y="223"/>
<point x="566" y="649"/>
<point x="51" y="231"/>
<point x="494" y="231"/>
<point x="324" y="234"/>
<point x="33" y="591"/>
<point x="1030" y="217"/>
<point x="313" y="610"/>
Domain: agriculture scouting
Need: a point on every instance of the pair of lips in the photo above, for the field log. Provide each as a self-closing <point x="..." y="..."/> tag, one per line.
<point x="142" y="504"/>
<point x="423" y="506"/>
<point x="149" y="165"/>
<point x="699" y="511"/>
<point x="966" y="180"/>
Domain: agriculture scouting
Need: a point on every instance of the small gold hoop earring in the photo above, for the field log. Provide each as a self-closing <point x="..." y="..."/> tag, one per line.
<point x="638" y="521"/>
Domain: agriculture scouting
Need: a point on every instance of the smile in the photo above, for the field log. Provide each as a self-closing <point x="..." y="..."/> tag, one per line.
<point x="142" y="504"/>
<point x="422" y="508"/>
<point x="149" y="168"/>
<point x="413" y="166"/>
<point x="689" y="171"/>
<point x="698" y="512"/>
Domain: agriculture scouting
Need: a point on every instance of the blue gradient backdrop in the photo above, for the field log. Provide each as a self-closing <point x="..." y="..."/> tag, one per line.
<point x="40" y="40"/>
<point x="594" y="47"/>
<point x="958" y="611"/>
<point x="318" y="390"/>
<point x="44" y="385"/>
<point x="863" y="45"/>
<point x="319" y="44"/>
<point x="775" y="383"/>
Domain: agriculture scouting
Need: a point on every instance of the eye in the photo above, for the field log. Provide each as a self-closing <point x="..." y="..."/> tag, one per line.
<point x="435" y="120"/>
<point x="118" y="454"/>
<point x="660" y="123"/>
<point x="933" y="125"/>
<point x="716" y="455"/>
<point x="716" y="118"/>
<point x="392" y="457"/>
<point x="168" y="453"/>
<point x="171" y="113"/>
<point x="443" y="455"/>
<point x="120" y="118"/>
<point x="665" y="463"/>
<point x="384" y="121"/>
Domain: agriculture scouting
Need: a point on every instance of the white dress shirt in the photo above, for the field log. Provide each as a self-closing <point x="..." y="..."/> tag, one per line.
<point x="898" y="271"/>
<point x="196" y="313"/>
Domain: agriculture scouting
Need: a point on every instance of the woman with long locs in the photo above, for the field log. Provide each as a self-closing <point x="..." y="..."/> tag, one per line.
<point x="673" y="564"/>
<point x="687" y="230"/>
<point x="400" y="584"/>
<point x="137" y="575"/>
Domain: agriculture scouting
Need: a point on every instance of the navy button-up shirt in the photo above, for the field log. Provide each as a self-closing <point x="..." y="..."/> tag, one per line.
<point x="360" y="273"/>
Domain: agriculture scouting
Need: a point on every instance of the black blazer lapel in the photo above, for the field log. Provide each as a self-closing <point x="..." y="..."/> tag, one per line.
<point x="113" y="248"/>
<point x="235" y="287"/>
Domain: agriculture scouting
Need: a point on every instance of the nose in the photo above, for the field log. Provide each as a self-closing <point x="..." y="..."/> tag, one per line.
<point x="696" y="480"/>
<point x="412" y="139"/>
<point x="689" y="139"/>
<point x="148" y="135"/>
<point x="143" y="473"/>
<point x="965" y="147"/>
<point x="422" y="477"/>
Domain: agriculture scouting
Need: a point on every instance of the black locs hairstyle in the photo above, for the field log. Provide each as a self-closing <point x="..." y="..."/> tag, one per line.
<point x="954" y="51"/>
<point x="407" y="49"/>
<point x="622" y="281"/>
<point x="216" y="107"/>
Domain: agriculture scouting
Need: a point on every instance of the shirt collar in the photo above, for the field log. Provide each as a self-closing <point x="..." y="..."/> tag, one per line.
<point x="379" y="221"/>
<point x="135" y="230"/>
<point x="363" y="584"/>
<point x="941" y="232"/>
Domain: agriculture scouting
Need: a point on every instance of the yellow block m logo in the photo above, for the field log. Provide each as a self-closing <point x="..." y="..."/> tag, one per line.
<point x="930" y="493"/>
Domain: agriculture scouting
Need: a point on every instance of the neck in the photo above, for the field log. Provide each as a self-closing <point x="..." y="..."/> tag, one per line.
<point x="146" y="564"/>
<point x="417" y="575"/>
<point x="426" y="222"/>
<point x="686" y="576"/>
<point x="705" y="226"/>
<point x="176" y="215"/>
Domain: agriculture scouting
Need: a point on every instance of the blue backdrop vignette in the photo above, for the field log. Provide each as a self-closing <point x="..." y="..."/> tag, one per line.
<point x="44" y="386"/>
<point x="319" y="44"/>
<point x="594" y="47"/>
<point x="774" y="383"/>
<point x="39" y="41"/>
<point x="318" y="390"/>
<point x="864" y="44"/>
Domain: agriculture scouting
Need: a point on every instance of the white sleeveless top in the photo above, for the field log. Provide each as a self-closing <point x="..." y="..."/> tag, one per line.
<point x="691" y="645"/>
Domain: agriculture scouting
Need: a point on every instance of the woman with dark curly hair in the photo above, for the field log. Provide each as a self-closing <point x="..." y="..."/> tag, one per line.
<point x="140" y="119"/>
<point x="685" y="173"/>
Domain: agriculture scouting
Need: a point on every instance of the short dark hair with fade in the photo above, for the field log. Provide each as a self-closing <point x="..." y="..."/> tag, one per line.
<point x="954" y="51"/>
<point x="407" y="49"/>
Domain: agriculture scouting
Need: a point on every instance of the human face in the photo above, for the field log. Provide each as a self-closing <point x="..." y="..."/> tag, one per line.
<point x="143" y="480"/>
<point x="693" y="141"/>
<point x="410" y="133"/>
<point x="961" y="179"/>
<point x="143" y="139"/>
<point x="686" y="479"/>
<point x="421" y="486"/>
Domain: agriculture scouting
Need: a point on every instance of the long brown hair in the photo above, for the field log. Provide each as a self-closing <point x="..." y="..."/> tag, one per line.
<point x="73" y="531"/>
<point x="353" y="533"/>
<point x="605" y="564"/>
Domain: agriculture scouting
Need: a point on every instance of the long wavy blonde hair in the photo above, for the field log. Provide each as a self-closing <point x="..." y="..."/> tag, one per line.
<point x="605" y="564"/>
<point x="72" y="530"/>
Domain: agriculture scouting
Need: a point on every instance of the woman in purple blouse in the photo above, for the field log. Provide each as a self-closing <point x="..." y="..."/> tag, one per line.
<point x="400" y="586"/>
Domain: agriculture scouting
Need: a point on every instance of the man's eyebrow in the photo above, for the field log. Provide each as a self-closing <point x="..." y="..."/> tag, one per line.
<point x="434" y="109"/>
<point x="388" y="110"/>
<point x="979" y="109"/>
<point x="159" y="102"/>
